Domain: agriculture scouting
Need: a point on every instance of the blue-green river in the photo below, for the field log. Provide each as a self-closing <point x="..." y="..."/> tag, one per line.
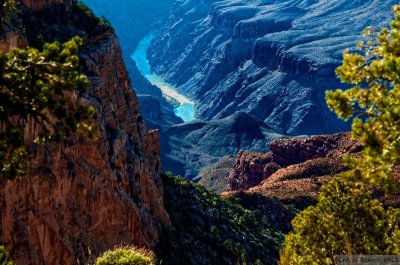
<point x="185" y="110"/>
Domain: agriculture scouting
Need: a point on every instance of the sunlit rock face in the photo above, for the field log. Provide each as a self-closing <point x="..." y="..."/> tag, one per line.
<point x="82" y="197"/>
<point x="271" y="59"/>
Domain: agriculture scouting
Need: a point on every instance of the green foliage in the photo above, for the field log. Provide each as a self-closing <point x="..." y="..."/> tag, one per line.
<point x="207" y="229"/>
<point x="374" y="101"/>
<point x="36" y="88"/>
<point x="126" y="255"/>
<point x="347" y="219"/>
<point x="100" y="21"/>
<point x="4" y="257"/>
<point x="6" y="5"/>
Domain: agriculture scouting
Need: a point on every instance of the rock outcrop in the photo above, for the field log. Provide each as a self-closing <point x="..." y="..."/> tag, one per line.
<point x="271" y="59"/>
<point x="250" y="169"/>
<point x="293" y="164"/>
<point x="82" y="197"/>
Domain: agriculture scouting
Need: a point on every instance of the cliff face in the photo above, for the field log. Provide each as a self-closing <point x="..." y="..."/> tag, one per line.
<point x="300" y="164"/>
<point x="271" y="59"/>
<point x="250" y="169"/>
<point x="82" y="197"/>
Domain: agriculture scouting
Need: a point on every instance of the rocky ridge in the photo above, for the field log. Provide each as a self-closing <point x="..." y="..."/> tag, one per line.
<point x="82" y="197"/>
<point x="293" y="166"/>
<point x="289" y="178"/>
<point x="188" y="148"/>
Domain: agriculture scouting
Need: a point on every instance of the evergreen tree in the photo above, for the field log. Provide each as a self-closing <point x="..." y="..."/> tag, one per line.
<point x="347" y="219"/>
<point x="37" y="90"/>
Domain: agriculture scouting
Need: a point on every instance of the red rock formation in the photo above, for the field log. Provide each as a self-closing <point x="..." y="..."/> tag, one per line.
<point x="297" y="150"/>
<point x="250" y="169"/>
<point x="82" y="197"/>
<point x="292" y="162"/>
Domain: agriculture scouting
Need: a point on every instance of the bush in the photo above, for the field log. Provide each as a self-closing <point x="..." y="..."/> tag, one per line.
<point x="4" y="257"/>
<point x="126" y="255"/>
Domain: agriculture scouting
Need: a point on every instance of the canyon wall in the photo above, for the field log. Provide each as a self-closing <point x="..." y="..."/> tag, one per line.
<point x="272" y="59"/>
<point x="83" y="196"/>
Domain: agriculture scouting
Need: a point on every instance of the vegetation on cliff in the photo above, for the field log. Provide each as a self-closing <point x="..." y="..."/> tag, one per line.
<point x="55" y="23"/>
<point x="207" y="229"/>
<point x="362" y="225"/>
<point x="5" y="5"/>
<point x="36" y="87"/>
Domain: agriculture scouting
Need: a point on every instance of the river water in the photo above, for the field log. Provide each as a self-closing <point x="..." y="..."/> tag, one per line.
<point x="184" y="108"/>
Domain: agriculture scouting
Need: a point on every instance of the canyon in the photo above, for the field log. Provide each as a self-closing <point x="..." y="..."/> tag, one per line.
<point x="255" y="72"/>
<point x="133" y="21"/>
<point x="272" y="60"/>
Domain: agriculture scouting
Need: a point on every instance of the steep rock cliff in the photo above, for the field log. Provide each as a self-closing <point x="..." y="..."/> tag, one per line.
<point x="82" y="197"/>
<point x="272" y="59"/>
<point x="11" y="40"/>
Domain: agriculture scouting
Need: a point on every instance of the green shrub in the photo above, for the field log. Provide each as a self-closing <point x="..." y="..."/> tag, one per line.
<point x="126" y="255"/>
<point x="4" y="257"/>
